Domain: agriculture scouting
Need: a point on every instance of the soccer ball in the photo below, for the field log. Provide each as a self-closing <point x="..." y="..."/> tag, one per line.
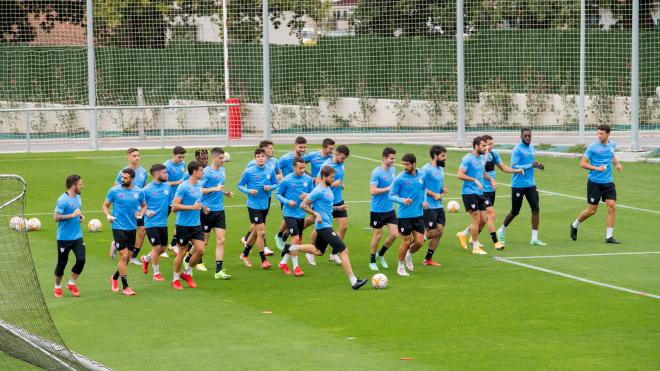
<point x="94" y="225"/>
<point x="18" y="223"/>
<point x="227" y="157"/>
<point x="379" y="281"/>
<point x="453" y="206"/>
<point x="33" y="224"/>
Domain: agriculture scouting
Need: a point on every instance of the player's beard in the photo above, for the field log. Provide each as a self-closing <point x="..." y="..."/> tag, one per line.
<point x="162" y="180"/>
<point x="328" y="183"/>
<point x="125" y="184"/>
<point x="441" y="163"/>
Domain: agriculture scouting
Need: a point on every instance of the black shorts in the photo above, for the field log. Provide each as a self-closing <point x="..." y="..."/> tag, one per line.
<point x="325" y="237"/>
<point x="157" y="236"/>
<point x="408" y="225"/>
<point x="185" y="234"/>
<point x="140" y="222"/>
<point x="214" y="219"/>
<point x="600" y="191"/>
<point x="124" y="239"/>
<point x="530" y="193"/>
<point x="257" y="216"/>
<point x="490" y="199"/>
<point x="379" y="220"/>
<point x="434" y="217"/>
<point x="339" y="213"/>
<point x="474" y="203"/>
<point x="68" y="245"/>
<point x="295" y="226"/>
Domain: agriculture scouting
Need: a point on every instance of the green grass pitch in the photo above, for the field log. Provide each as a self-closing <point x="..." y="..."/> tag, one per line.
<point x="473" y="313"/>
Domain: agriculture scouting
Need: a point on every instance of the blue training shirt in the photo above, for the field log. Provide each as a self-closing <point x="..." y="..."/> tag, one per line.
<point x="493" y="160"/>
<point x="286" y="162"/>
<point x="125" y="202"/>
<point x="271" y="163"/>
<point x="69" y="229"/>
<point x="522" y="157"/>
<point x="290" y="189"/>
<point x="382" y="178"/>
<point x="322" y="200"/>
<point x="409" y="186"/>
<point x="140" y="179"/>
<point x="435" y="180"/>
<point x="600" y="154"/>
<point x="188" y="193"/>
<point x="175" y="172"/>
<point x="157" y="196"/>
<point x="317" y="160"/>
<point x="474" y="167"/>
<point x="255" y="177"/>
<point x="215" y="201"/>
<point x="339" y="175"/>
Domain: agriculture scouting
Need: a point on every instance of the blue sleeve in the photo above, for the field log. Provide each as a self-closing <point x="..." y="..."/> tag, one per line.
<point x="110" y="197"/>
<point x="498" y="159"/>
<point x="280" y="192"/>
<point x="308" y="157"/>
<point x="59" y="207"/>
<point x="394" y="192"/>
<point x="180" y="192"/>
<point x="515" y="159"/>
<point x="273" y="183"/>
<point x="465" y="164"/>
<point x="314" y="195"/>
<point x="374" y="177"/>
<point x="242" y="183"/>
<point x="588" y="153"/>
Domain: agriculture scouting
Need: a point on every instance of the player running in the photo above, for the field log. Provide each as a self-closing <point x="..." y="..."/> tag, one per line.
<point x="140" y="180"/>
<point x="293" y="189"/>
<point x="320" y="204"/>
<point x="382" y="208"/>
<point x="187" y="205"/>
<point x="257" y="182"/>
<point x="157" y="197"/>
<point x="434" y="216"/>
<point x="69" y="234"/>
<point x="128" y="206"/>
<point x="598" y="159"/>
<point x="339" y="207"/>
<point x="409" y="191"/>
<point x="524" y="185"/>
<point x="213" y="190"/>
<point x="471" y="172"/>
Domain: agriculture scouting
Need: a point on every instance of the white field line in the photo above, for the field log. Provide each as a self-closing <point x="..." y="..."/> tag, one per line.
<point x="550" y="193"/>
<point x="583" y="255"/>
<point x="577" y="278"/>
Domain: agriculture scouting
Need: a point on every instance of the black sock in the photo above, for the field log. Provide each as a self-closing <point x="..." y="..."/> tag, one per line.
<point x="187" y="258"/>
<point x="246" y="251"/>
<point x="285" y="235"/>
<point x="247" y="235"/>
<point x="115" y="276"/>
<point x="173" y="242"/>
<point x="280" y="234"/>
<point x="373" y="258"/>
<point x="136" y="252"/>
<point x="493" y="236"/>
<point x="265" y="243"/>
<point x="383" y="250"/>
<point x="429" y="254"/>
<point x="218" y="266"/>
<point x="262" y="255"/>
<point x="124" y="281"/>
<point x="286" y="249"/>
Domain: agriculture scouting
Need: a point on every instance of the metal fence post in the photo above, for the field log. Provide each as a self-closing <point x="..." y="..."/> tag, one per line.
<point x="91" y="78"/>
<point x="460" y="69"/>
<point x="161" y="119"/>
<point x="634" y="79"/>
<point x="27" y="131"/>
<point x="266" y="67"/>
<point x="582" y="116"/>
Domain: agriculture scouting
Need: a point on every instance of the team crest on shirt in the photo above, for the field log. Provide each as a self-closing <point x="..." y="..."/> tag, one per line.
<point x="166" y="192"/>
<point x="267" y="176"/>
<point x="304" y="184"/>
<point x="135" y="196"/>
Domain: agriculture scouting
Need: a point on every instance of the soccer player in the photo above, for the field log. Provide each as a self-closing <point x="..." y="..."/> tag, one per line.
<point x="434" y="216"/>
<point x="287" y="167"/>
<point x="598" y="159"/>
<point x="187" y="205"/>
<point x="409" y="191"/>
<point x="213" y="190"/>
<point x="157" y="197"/>
<point x="273" y="164"/>
<point x="490" y="186"/>
<point x="471" y="172"/>
<point x="524" y="185"/>
<point x="128" y="206"/>
<point x="317" y="158"/>
<point x="339" y="207"/>
<point x="257" y="182"/>
<point x="319" y="203"/>
<point x="69" y="234"/>
<point x="292" y="190"/>
<point x="176" y="169"/>
<point x="140" y="180"/>
<point x="201" y="156"/>
<point x="382" y="208"/>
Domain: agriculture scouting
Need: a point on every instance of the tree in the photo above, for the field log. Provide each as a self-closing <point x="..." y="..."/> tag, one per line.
<point x="15" y="25"/>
